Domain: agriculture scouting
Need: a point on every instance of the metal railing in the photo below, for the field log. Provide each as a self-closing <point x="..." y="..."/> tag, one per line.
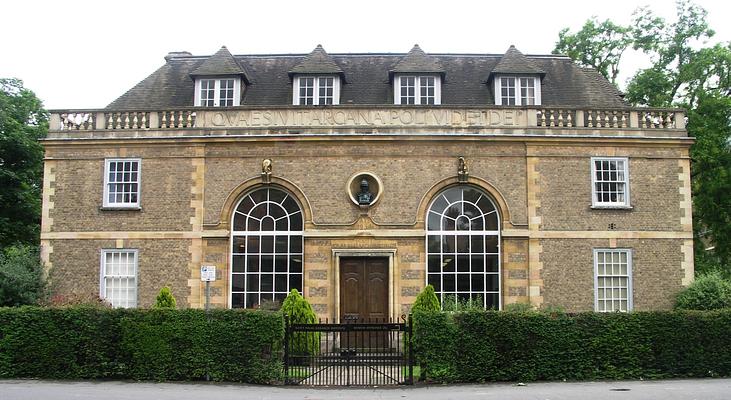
<point x="373" y="352"/>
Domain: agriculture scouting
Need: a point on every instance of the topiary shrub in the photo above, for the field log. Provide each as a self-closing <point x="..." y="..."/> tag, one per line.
<point x="165" y="299"/>
<point x="707" y="292"/>
<point x="426" y="303"/>
<point x="427" y="300"/>
<point x="299" y="311"/>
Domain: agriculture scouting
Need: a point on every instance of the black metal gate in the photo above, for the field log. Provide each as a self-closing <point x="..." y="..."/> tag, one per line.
<point x="353" y="353"/>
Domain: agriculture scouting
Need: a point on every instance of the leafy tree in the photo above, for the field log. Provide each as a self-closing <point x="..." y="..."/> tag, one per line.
<point x="708" y="292"/>
<point x="22" y="122"/>
<point x="165" y="299"/>
<point x="710" y="123"/>
<point x="21" y="276"/>
<point x="685" y="73"/>
<point x="676" y="77"/>
<point x="597" y="44"/>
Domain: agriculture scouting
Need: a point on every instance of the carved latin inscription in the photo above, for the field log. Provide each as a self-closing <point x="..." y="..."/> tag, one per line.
<point x="363" y="118"/>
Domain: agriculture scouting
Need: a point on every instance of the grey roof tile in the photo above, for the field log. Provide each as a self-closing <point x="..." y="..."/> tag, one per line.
<point x="564" y="84"/>
<point x="418" y="61"/>
<point x="221" y="63"/>
<point x="317" y="62"/>
<point x="514" y="62"/>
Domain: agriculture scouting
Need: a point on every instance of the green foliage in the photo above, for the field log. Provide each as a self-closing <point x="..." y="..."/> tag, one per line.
<point x="160" y="344"/>
<point x="650" y="87"/>
<point x="427" y="300"/>
<point x="59" y="343"/>
<point x="435" y="345"/>
<point x="270" y="305"/>
<point x="706" y="261"/>
<point x="707" y="292"/>
<point x="165" y="299"/>
<point x="453" y="303"/>
<point x="480" y="346"/>
<point x="596" y="44"/>
<point x="518" y="307"/>
<point x="22" y="122"/>
<point x="21" y="276"/>
<point x="299" y="311"/>
<point x="710" y="123"/>
<point x="678" y="75"/>
<point x="551" y="309"/>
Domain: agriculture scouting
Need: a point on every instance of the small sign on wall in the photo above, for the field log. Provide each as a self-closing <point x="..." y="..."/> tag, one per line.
<point x="208" y="273"/>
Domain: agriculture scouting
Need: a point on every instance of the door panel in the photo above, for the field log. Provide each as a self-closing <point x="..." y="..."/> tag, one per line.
<point x="377" y="289"/>
<point x="351" y="282"/>
<point x="363" y="298"/>
<point x="363" y="288"/>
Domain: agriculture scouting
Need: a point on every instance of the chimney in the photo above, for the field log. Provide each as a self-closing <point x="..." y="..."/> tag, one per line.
<point x="176" y="54"/>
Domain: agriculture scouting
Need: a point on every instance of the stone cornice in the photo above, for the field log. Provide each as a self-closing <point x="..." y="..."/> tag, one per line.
<point x="368" y="233"/>
<point x="201" y="138"/>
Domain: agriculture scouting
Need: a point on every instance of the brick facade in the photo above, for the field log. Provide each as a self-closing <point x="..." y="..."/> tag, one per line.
<point x="532" y="161"/>
<point x="168" y="236"/>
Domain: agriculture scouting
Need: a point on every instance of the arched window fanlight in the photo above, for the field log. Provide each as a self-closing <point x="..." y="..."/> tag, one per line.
<point x="266" y="248"/>
<point x="463" y="246"/>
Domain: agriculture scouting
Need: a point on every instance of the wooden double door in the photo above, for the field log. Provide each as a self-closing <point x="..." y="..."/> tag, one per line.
<point x="364" y="289"/>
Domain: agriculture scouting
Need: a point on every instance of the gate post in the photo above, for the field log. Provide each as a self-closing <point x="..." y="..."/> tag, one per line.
<point x="286" y="348"/>
<point x="348" y="329"/>
<point x="411" y="351"/>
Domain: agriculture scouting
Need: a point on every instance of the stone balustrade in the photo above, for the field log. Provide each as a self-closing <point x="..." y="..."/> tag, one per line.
<point x="642" y="118"/>
<point x="378" y="117"/>
<point x="86" y="120"/>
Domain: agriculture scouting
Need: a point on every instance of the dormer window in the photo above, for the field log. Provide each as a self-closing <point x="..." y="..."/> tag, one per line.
<point x="316" y="90"/>
<point x="221" y="92"/>
<point x="417" y="89"/>
<point x="517" y="91"/>
<point x="516" y="80"/>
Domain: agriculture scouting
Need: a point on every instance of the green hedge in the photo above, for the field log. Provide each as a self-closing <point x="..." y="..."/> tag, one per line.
<point x="162" y="344"/>
<point x="501" y="346"/>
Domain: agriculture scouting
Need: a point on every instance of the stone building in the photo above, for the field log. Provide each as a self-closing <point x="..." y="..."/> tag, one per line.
<point x="360" y="178"/>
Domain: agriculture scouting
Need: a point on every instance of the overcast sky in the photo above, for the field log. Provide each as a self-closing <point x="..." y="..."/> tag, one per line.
<point x="84" y="54"/>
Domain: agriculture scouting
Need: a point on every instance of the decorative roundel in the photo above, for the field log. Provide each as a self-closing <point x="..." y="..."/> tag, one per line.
<point x="364" y="189"/>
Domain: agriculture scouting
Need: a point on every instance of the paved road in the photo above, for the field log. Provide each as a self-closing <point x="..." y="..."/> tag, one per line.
<point x="701" y="389"/>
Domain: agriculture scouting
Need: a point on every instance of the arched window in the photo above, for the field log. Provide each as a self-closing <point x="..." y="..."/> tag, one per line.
<point x="463" y="246"/>
<point x="266" y="248"/>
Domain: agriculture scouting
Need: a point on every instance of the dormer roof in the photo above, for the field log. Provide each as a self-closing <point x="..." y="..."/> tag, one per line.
<point x="565" y="84"/>
<point x="416" y="61"/>
<point x="317" y="62"/>
<point x="514" y="62"/>
<point x="221" y="63"/>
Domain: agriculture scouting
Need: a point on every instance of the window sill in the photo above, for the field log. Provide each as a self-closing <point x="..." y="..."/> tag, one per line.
<point x="617" y="207"/>
<point x="120" y="208"/>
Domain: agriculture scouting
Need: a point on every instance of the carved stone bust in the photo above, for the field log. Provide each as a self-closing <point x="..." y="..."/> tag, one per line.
<point x="365" y="197"/>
